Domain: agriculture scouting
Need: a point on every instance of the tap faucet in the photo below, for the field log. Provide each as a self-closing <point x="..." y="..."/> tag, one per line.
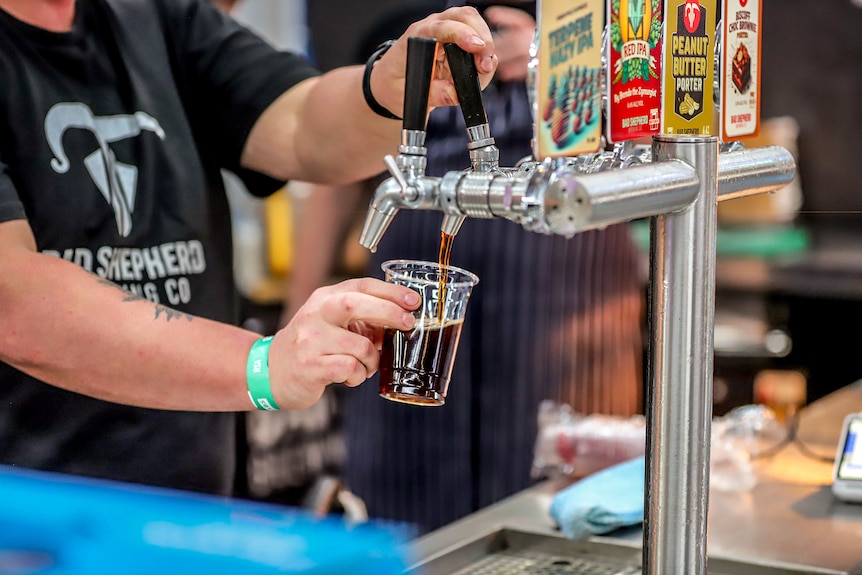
<point x="409" y="187"/>
<point x="484" y="155"/>
<point x="406" y="187"/>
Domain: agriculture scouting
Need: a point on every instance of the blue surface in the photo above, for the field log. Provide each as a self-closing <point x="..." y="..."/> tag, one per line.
<point x="53" y="524"/>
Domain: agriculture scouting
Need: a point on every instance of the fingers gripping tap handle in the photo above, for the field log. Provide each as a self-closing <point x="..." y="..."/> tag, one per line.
<point x="420" y="69"/>
<point x="466" y="79"/>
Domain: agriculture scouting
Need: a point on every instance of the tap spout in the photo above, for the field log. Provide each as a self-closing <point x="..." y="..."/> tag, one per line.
<point x="391" y="195"/>
<point x="451" y="224"/>
<point x="387" y="200"/>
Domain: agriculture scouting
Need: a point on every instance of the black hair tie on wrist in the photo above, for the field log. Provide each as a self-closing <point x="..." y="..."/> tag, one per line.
<point x="366" y="82"/>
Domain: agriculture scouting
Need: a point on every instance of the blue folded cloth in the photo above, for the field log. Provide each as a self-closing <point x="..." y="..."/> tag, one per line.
<point x="601" y="502"/>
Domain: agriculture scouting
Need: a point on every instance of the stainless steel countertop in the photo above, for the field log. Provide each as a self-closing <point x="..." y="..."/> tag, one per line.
<point x="789" y="517"/>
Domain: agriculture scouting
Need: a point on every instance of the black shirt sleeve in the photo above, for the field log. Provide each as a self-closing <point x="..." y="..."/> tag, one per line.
<point x="228" y="76"/>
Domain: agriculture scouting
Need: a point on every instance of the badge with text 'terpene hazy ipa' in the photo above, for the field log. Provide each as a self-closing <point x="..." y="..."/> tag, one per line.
<point x="568" y="92"/>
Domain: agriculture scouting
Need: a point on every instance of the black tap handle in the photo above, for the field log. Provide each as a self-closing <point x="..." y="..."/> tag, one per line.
<point x="420" y="68"/>
<point x="466" y="80"/>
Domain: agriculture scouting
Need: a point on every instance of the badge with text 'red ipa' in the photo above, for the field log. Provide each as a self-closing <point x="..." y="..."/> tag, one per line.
<point x="688" y="67"/>
<point x="568" y="91"/>
<point x="634" y="69"/>
<point x="740" y="69"/>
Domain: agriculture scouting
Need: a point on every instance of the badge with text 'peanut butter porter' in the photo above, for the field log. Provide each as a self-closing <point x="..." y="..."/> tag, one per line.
<point x="688" y="68"/>
<point x="740" y="65"/>
<point x="569" y="79"/>
<point x="634" y="69"/>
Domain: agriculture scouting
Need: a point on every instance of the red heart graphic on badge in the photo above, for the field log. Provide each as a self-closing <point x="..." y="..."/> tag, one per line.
<point x="743" y="3"/>
<point x="691" y="15"/>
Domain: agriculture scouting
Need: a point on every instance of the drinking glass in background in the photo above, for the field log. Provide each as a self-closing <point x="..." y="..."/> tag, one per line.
<point x="416" y="365"/>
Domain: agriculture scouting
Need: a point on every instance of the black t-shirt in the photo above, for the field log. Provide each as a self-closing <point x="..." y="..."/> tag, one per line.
<point x="112" y="137"/>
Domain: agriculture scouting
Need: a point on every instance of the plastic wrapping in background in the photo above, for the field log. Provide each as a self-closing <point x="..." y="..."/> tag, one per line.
<point x="53" y="524"/>
<point x="575" y="445"/>
<point x="572" y="444"/>
<point x="738" y="438"/>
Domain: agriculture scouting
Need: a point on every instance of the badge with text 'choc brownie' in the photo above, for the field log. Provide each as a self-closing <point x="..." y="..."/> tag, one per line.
<point x="688" y="67"/>
<point x="740" y="65"/>
<point x="634" y="69"/>
<point x="569" y="93"/>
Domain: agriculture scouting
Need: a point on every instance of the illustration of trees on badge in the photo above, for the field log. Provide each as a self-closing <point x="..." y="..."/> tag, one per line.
<point x="635" y="32"/>
<point x="561" y="129"/>
<point x="572" y="104"/>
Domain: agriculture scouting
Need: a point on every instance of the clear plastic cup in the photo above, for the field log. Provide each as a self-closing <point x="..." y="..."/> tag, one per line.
<point x="416" y="365"/>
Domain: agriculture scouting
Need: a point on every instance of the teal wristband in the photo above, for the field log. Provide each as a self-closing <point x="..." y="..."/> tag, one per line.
<point x="257" y="376"/>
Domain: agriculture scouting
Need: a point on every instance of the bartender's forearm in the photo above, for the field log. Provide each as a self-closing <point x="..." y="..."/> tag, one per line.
<point x="321" y="130"/>
<point x="74" y="330"/>
<point x="77" y="331"/>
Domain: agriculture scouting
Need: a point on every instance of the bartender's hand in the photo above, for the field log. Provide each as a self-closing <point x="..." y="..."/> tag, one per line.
<point x="462" y="25"/>
<point x="336" y="337"/>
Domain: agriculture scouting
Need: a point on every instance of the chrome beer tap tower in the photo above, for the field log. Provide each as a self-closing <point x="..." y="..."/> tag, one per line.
<point x="676" y="182"/>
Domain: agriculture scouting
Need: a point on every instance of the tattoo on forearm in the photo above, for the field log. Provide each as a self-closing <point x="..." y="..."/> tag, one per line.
<point x="171" y="313"/>
<point x="160" y="309"/>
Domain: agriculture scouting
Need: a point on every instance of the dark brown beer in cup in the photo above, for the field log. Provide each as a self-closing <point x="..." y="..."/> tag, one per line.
<point x="415" y="365"/>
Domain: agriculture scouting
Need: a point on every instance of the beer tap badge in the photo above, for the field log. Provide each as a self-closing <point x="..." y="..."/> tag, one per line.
<point x="569" y="88"/>
<point x="634" y="69"/>
<point x="688" y="68"/>
<point x="740" y="69"/>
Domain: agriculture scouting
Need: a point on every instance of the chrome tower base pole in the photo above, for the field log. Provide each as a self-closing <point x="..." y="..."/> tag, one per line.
<point x="679" y="398"/>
